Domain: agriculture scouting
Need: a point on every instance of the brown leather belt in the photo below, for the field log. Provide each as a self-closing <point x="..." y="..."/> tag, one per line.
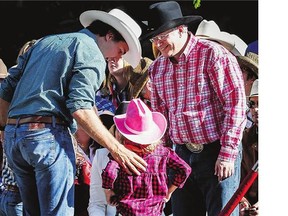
<point x="36" y="119"/>
<point x="12" y="188"/>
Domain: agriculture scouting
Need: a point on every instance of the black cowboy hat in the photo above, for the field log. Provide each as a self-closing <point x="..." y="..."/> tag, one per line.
<point x="163" y="16"/>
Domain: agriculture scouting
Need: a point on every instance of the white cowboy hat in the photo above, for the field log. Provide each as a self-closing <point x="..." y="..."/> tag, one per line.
<point x="240" y="46"/>
<point x="254" y="89"/>
<point x="124" y="24"/>
<point x="210" y="30"/>
<point x="3" y="70"/>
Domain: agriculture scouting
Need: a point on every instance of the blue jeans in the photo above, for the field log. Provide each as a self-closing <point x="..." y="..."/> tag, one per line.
<point x="43" y="161"/>
<point x="10" y="203"/>
<point x="202" y="191"/>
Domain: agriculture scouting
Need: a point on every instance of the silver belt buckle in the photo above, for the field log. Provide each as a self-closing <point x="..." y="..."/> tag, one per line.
<point x="195" y="148"/>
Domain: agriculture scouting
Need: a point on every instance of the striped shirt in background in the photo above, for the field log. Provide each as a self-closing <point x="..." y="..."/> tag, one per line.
<point x="7" y="174"/>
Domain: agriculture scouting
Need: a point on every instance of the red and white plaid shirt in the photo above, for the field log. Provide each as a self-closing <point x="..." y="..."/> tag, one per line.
<point x="202" y="96"/>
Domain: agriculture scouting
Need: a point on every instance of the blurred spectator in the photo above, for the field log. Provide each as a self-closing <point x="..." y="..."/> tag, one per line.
<point x="249" y="203"/>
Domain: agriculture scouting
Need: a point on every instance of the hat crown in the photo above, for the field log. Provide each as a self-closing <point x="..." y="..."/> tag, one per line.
<point x="138" y="117"/>
<point x="240" y="46"/>
<point x="254" y="89"/>
<point x="208" y="28"/>
<point x="121" y="15"/>
<point x="164" y="16"/>
<point x="163" y="12"/>
<point x="3" y="70"/>
<point x="211" y="31"/>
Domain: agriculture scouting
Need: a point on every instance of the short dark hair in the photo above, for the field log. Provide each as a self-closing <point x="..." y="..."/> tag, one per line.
<point x="250" y="73"/>
<point x="101" y="28"/>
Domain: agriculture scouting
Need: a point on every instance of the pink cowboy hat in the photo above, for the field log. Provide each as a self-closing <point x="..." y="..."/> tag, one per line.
<point x="139" y="124"/>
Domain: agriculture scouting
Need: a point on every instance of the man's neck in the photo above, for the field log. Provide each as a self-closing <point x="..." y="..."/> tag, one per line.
<point x="174" y="59"/>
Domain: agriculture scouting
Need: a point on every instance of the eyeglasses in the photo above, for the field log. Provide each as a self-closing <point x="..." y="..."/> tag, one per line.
<point x="161" y="37"/>
<point x="252" y="104"/>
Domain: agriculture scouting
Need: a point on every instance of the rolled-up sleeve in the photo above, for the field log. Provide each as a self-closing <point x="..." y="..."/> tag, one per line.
<point x="87" y="75"/>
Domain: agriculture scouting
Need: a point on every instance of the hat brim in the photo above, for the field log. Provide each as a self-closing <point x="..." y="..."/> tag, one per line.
<point x="133" y="56"/>
<point x="171" y="24"/>
<point x="228" y="45"/>
<point x="155" y="132"/>
<point x="107" y="118"/>
<point x="247" y="62"/>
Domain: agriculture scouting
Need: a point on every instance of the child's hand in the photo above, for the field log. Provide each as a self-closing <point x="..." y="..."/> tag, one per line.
<point x="110" y="197"/>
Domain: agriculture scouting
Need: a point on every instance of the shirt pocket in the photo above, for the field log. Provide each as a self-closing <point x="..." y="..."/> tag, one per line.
<point x="195" y="118"/>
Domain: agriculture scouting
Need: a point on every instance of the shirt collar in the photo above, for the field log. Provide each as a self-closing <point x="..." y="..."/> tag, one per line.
<point x="88" y="32"/>
<point x="189" y="46"/>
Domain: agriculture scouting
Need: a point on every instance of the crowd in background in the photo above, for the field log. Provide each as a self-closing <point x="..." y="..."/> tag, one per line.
<point x="123" y="89"/>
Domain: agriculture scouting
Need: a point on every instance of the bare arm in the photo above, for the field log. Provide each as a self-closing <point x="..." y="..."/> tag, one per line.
<point x="171" y="189"/>
<point x="93" y="126"/>
<point x="4" y="106"/>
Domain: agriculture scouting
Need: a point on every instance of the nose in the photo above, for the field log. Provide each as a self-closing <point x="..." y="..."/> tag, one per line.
<point x="111" y="59"/>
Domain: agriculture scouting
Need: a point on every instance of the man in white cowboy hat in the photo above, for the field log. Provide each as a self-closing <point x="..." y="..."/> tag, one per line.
<point x="198" y="85"/>
<point x="53" y="85"/>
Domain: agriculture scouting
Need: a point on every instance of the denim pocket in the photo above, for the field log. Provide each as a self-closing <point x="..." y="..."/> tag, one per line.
<point x="39" y="148"/>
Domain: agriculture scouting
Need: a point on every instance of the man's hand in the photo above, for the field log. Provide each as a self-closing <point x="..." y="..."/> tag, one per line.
<point x="224" y="169"/>
<point x="129" y="160"/>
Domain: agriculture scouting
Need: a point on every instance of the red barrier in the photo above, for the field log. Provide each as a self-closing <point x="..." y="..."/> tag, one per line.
<point x="241" y="191"/>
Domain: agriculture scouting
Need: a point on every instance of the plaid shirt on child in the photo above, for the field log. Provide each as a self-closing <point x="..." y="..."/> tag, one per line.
<point x="143" y="194"/>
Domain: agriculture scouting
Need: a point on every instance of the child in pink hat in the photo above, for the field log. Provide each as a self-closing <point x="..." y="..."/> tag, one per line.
<point x="147" y="193"/>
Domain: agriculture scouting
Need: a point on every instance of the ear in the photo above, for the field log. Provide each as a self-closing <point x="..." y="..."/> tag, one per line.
<point x="109" y="36"/>
<point x="182" y="30"/>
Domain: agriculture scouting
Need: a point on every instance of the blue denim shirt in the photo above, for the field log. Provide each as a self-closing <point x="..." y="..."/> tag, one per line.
<point x="61" y="76"/>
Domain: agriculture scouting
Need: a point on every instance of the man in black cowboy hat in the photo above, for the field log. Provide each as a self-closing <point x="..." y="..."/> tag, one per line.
<point x="197" y="84"/>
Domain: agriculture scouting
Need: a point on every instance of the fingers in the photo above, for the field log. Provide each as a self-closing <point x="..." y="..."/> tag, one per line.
<point x="223" y="169"/>
<point x="224" y="173"/>
<point x="134" y="165"/>
<point x="131" y="162"/>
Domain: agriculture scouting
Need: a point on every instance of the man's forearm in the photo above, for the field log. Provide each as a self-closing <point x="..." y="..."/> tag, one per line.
<point x="93" y="126"/>
<point x="4" y="106"/>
